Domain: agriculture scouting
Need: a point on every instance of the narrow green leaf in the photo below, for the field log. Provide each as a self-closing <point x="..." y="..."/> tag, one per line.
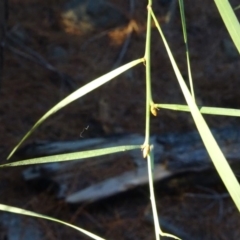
<point x="210" y="143"/>
<point x="21" y="211"/>
<point x="184" y="28"/>
<point x="205" y="110"/>
<point x="77" y="94"/>
<point x="72" y="156"/>
<point x="230" y="20"/>
<point x="183" y="20"/>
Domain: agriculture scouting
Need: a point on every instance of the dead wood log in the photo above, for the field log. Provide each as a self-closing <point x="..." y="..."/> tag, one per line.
<point x="122" y="183"/>
<point x="174" y="153"/>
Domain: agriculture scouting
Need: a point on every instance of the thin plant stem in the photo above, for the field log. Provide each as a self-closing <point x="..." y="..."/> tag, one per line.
<point x="147" y="57"/>
<point x="158" y="231"/>
<point x="147" y="151"/>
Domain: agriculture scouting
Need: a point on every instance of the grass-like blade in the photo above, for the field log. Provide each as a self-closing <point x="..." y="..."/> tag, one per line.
<point x="184" y="28"/>
<point x="72" y="156"/>
<point x="77" y="94"/>
<point x="205" y="110"/>
<point x="230" y="20"/>
<point x="236" y="8"/>
<point x="210" y="143"/>
<point x="21" y="211"/>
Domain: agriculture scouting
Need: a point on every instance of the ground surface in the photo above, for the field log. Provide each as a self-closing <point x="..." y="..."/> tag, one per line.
<point x="28" y="90"/>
